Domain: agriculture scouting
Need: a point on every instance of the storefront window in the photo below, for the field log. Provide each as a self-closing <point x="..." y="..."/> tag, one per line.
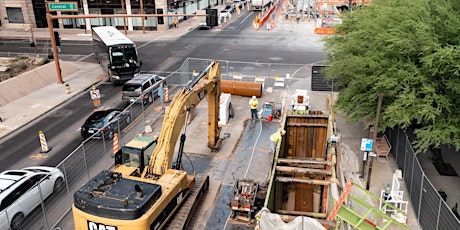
<point x="14" y="15"/>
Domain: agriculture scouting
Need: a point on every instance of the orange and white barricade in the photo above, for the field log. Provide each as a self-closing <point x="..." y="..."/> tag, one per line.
<point x="44" y="145"/>
<point x="115" y="145"/>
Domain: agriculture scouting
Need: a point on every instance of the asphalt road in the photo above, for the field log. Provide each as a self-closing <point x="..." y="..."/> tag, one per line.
<point x="235" y="42"/>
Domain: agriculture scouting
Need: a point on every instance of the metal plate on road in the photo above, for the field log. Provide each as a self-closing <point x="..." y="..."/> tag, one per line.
<point x="63" y="6"/>
<point x="95" y="94"/>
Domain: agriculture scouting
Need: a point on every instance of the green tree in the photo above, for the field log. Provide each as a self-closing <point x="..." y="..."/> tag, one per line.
<point x="406" y="51"/>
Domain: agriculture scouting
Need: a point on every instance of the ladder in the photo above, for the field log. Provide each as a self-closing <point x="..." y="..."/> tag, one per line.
<point x="370" y="219"/>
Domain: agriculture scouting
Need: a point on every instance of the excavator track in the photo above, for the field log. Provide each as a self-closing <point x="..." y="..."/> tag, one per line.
<point x="183" y="215"/>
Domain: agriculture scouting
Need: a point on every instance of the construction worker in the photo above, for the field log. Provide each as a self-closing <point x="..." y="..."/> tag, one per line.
<point x="275" y="138"/>
<point x="253" y="104"/>
<point x="175" y="23"/>
<point x="161" y="91"/>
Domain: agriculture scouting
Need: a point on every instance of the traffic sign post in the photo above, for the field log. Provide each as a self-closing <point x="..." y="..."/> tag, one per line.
<point x="95" y="96"/>
<point x="366" y="147"/>
<point x="62" y="6"/>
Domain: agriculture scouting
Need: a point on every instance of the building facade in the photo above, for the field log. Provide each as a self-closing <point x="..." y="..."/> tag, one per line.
<point x="21" y="14"/>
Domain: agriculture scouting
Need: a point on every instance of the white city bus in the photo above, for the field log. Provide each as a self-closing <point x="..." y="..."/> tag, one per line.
<point x="117" y="53"/>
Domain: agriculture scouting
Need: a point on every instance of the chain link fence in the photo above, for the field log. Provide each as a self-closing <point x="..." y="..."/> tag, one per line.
<point x="431" y="210"/>
<point x="95" y="154"/>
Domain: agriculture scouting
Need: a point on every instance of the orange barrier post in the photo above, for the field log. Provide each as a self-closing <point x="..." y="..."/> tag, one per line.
<point x="166" y="93"/>
<point x="44" y="146"/>
<point x="115" y="145"/>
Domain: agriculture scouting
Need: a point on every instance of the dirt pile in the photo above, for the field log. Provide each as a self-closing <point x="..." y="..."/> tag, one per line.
<point x="11" y="67"/>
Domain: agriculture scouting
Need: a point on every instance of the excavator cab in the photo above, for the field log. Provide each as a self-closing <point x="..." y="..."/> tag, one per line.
<point x="136" y="153"/>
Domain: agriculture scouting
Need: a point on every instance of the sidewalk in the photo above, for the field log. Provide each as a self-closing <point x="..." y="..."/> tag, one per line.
<point x="81" y="34"/>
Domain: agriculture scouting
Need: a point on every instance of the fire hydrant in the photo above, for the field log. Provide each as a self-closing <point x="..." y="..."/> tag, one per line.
<point x="67" y="88"/>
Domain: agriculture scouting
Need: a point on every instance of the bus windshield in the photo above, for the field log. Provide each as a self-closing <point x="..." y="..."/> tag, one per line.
<point x="121" y="56"/>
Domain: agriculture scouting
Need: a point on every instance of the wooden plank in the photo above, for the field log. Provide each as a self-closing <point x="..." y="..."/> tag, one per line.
<point x="313" y="114"/>
<point x="302" y="161"/>
<point x="303" y="180"/>
<point x="306" y="125"/>
<point x="299" y="213"/>
<point x="297" y="170"/>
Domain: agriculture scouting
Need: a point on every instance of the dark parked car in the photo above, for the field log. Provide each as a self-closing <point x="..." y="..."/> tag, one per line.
<point x="105" y="122"/>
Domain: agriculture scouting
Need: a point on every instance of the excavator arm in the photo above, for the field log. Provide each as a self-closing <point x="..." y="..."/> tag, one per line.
<point x="205" y="85"/>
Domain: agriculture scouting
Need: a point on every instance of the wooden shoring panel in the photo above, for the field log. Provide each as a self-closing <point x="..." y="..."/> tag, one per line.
<point x="303" y="197"/>
<point x="307" y="137"/>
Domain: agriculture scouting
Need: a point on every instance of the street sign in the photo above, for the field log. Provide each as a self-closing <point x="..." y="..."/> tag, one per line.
<point x="95" y="94"/>
<point x="366" y="144"/>
<point x="62" y="6"/>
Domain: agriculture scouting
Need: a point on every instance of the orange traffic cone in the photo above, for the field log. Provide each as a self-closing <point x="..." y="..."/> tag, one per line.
<point x="115" y="146"/>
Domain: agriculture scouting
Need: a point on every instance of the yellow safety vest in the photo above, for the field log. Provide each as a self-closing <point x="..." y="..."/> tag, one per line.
<point x="275" y="136"/>
<point x="253" y="103"/>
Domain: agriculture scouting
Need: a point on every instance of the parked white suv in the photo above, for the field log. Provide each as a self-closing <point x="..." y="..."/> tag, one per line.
<point x="19" y="192"/>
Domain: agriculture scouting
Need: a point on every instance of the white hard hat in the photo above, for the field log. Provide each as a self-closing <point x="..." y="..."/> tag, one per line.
<point x="253" y="97"/>
<point x="283" y="131"/>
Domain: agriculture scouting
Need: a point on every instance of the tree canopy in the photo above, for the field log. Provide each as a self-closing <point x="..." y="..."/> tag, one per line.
<point x="407" y="52"/>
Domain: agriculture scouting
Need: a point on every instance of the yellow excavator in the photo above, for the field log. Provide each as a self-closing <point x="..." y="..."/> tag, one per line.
<point x="145" y="192"/>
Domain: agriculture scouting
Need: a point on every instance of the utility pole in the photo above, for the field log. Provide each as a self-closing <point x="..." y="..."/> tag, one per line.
<point x="374" y="138"/>
<point x="53" y="47"/>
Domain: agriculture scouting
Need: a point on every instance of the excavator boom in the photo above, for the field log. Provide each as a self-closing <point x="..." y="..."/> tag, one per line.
<point x="205" y="85"/>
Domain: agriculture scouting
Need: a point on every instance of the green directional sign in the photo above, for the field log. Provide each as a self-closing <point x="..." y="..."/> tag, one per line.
<point x="62" y="6"/>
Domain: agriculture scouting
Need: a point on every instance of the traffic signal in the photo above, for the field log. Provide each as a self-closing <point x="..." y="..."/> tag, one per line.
<point x="57" y="39"/>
